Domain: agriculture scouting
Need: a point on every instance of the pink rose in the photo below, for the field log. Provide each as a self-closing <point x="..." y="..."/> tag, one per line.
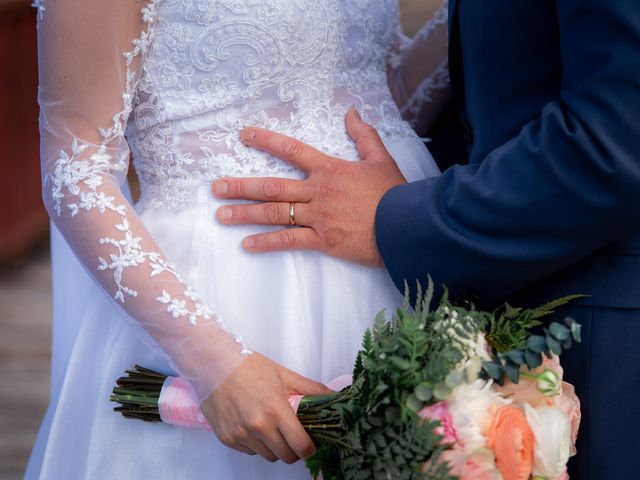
<point x="456" y="458"/>
<point x="479" y="465"/>
<point x="440" y="412"/>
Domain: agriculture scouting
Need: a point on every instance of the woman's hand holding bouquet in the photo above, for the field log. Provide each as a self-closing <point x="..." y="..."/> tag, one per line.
<point x="249" y="411"/>
<point x="436" y="394"/>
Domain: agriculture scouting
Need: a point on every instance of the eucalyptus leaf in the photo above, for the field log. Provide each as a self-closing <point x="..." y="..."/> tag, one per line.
<point x="554" y="345"/>
<point x="454" y="378"/>
<point x="515" y="356"/>
<point x="537" y="344"/>
<point x="413" y="403"/>
<point x="442" y="392"/>
<point x="559" y="332"/>
<point x="576" y="332"/>
<point x="533" y="359"/>
<point x="423" y="392"/>
<point x="493" y="369"/>
<point x="513" y="372"/>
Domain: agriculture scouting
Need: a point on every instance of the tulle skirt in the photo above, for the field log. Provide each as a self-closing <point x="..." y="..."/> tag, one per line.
<point x="304" y="310"/>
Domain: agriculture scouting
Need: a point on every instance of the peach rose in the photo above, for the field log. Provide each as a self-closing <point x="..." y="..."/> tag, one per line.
<point x="440" y="412"/>
<point x="563" y="476"/>
<point x="552" y="363"/>
<point x="524" y="392"/>
<point x="548" y="375"/>
<point x="512" y="441"/>
<point x="570" y="406"/>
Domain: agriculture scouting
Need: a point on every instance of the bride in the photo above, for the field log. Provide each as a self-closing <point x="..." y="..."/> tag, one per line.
<point x="171" y="83"/>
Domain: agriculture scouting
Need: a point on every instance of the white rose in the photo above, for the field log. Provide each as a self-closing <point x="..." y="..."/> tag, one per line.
<point x="470" y="406"/>
<point x="552" y="431"/>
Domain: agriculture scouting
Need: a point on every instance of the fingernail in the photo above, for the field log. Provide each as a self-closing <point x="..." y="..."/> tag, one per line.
<point x="247" y="135"/>
<point x="220" y="187"/>
<point x="225" y="213"/>
<point x="249" y="243"/>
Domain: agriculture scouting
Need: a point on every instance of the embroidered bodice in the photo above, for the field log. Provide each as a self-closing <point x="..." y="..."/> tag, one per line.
<point x="291" y="66"/>
<point x="172" y="82"/>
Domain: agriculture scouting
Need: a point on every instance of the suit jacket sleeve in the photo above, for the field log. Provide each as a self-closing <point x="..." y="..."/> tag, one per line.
<point x="566" y="186"/>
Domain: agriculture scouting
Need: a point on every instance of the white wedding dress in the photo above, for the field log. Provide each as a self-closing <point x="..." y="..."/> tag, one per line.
<point x="170" y="83"/>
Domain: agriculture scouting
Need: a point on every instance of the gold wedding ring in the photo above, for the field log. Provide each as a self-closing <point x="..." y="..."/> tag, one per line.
<point x="292" y="214"/>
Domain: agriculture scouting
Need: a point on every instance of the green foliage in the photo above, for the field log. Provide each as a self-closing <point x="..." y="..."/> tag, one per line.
<point x="556" y="339"/>
<point x="405" y="364"/>
<point x="509" y="327"/>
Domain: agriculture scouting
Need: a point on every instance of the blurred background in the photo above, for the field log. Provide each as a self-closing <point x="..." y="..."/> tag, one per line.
<point x="25" y="285"/>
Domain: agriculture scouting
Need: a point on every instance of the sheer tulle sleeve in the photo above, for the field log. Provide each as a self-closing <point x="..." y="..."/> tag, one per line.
<point x="90" y="52"/>
<point x="419" y="71"/>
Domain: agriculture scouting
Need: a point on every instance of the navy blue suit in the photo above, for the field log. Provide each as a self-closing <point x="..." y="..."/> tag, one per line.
<point x="549" y="203"/>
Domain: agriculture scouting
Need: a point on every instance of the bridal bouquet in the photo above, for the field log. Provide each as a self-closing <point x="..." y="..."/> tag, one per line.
<point x="443" y="393"/>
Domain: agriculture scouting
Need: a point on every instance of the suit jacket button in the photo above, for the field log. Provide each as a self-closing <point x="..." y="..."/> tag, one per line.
<point x="468" y="133"/>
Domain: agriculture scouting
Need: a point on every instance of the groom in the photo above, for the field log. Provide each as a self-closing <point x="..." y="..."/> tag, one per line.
<point x="549" y="205"/>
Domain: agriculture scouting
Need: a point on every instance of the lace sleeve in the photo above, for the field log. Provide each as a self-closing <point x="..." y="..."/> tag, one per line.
<point x="419" y="72"/>
<point x="85" y="95"/>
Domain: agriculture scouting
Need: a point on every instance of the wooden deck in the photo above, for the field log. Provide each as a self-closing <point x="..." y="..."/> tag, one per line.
<point x="25" y="336"/>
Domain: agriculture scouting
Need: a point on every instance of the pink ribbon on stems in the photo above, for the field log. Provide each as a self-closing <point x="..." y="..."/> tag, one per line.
<point x="178" y="403"/>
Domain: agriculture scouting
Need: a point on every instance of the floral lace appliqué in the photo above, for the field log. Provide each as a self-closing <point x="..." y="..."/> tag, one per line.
<point x="78" y="179"/>
<point x="72" y="173"/>
<point x="439" y="79"/>
<point x="178" y="307"/>
<point x="423" y="94"/>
